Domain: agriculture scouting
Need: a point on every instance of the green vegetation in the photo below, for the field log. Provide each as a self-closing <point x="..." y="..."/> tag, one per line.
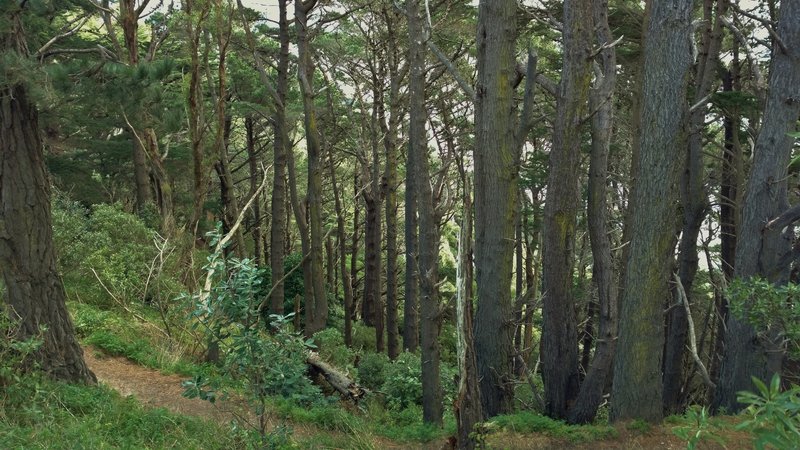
<point x="530" y="422"/>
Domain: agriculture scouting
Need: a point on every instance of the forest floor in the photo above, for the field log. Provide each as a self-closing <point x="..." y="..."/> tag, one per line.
<point x="158" y="390"/>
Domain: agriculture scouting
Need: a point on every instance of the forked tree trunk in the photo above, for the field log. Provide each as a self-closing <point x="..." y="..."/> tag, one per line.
<point x="559" y="331"/>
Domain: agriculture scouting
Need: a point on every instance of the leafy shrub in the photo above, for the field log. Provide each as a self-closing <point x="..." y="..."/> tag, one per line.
<point x="770" y="309"/>
<point x="698" y="427"/>
<point x="330" y="344"/>
<point x="372" y="370"/>
<point x="263" y="364"/>
<point x="363" y="337"/>
<point x="774" y="415"/>
<point x="16" y="388"/>
<point x="403" y="386"/>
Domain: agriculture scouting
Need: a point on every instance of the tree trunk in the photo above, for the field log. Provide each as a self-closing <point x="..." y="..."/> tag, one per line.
<point x="317" y="305"/>
<point x="277" y="234"/>
<point x="695" y="205"/>
<point x="495" y="196"/>
<point x="341" y="236"/>
<point x="637" y="389"/>
<point x="467" y="406"/>
<point x="430" y="310"/>
<point x="599" y="372"/>
<point x="559" y="331"/>
<point x="34" y="291"/>
<point x="759" y="250"/>
<point x="255" y="176"/>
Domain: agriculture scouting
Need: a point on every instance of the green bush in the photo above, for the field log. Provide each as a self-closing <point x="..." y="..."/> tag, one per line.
<point x="529" y="422"/>
<point x="774" y="414"/>
<point x="403" y="386"/>
<point x="372" y="370"/>
<point x="330" y="345"/>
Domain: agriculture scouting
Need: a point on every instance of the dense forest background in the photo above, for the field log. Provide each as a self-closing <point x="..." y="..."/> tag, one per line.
<point x="584" y="208"/>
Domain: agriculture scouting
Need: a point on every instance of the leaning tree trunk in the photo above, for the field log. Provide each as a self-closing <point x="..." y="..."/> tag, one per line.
<point x="317" y="305"/>
<point x="496" y="188"/>
<point x="637" y="388"/>
<point x="34" y="292"/>
<point x="760" y="250"/>
<point x="559" y="331"/>
<point x="599" y="372"/>
<point x="695" y="205"/>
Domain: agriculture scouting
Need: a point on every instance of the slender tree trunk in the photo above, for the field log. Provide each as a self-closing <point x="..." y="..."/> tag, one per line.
<point x="759" y="251"/>
<point x="430" y="310"/>
<point x="695" y="205"/>
<point x="277" y="234"/>
<point x="411" y="281"/>
<point x="317" y="305"/>
<point x="255" y="176"/>
<point x="601" y="101"/>
<point x="160" y="181"/>
<point x="194" y="23"/>
<point x="34" y="292"/>
<point x="637" y="389"/>
<point x="559" y="331"/>
<point x="467" y="406"/>
<point x="495" y="196"/>
<point x="342" y="241"/>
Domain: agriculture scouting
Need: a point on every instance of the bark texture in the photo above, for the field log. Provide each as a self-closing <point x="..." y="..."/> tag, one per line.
<point x="758" y="250"/>
<point x="559" y="331"/>
<point x="495" y="198"/>
<point x="637" y="389"/>
<point x="34" y="291"/>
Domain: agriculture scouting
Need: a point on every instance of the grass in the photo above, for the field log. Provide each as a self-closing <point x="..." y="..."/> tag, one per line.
<point x="530" y="422"/>
<point x="118" y="334"/>
<point x="53" y="415"/>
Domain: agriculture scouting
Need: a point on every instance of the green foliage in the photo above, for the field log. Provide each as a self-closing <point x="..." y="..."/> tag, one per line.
<point x="403" y="385"/>
<point x="774" y="414"/>
<point x="770" y="309"/>
<point x="330" y="344"/>
<point x="528" y="422"/>
<point x="697" y="427"/>
<point x="263" y="360"/>
<point x="15" y="386"/>
<point x="64" y="416"/>
<point x="108" y="255"/>
<point x="119" y="334"/>
<point x="372" y="370"/>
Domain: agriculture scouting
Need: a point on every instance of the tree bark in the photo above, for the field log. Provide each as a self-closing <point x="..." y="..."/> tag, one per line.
<point x="695" y="205"/>
<point x="316" y="306"/>
<point x="637" y="389"/>
<point x="495" y="196"/>
<point x="34" y="291"/>
<point x="601" y="101"/>
<point x="758" y="250"/>
<point x="559" y="331"/>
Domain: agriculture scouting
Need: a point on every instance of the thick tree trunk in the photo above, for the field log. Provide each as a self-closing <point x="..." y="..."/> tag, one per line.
<point x="495" y="196"/>
<point x="559" y="331"/>
<point x="599" y="372"/>
<point x="637" y="389"/>
<point x="34" y="292"/>
<point x="759" y="250"/>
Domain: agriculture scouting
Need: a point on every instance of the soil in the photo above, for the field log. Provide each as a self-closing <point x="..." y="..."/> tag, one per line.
<point x="158" y="390"/>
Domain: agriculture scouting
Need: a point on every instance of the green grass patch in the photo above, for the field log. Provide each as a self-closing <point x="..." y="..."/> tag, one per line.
<point x="117" y="333"/>
<point x="528" y="422"/>
<point x="64" y="416"/>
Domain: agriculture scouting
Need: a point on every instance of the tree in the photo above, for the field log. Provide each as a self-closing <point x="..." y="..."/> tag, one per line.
<point x="495" y="199"/>
<point x="762" y="249"/>
<point x="34" y="291"/>
<point x="637" y="387"/>
<point x="559" y="333"/>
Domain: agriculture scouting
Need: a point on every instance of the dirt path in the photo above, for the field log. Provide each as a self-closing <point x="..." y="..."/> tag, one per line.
<point x="152" y="388"/>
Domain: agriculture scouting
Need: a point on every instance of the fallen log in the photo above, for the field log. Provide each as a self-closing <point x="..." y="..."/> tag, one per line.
<point x="346" y="387"/>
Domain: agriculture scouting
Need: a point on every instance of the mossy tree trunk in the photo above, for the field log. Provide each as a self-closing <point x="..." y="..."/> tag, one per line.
<point x="637" y="387"/>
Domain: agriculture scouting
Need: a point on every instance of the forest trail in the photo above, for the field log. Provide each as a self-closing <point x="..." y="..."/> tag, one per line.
<point x="154" y="389"/>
